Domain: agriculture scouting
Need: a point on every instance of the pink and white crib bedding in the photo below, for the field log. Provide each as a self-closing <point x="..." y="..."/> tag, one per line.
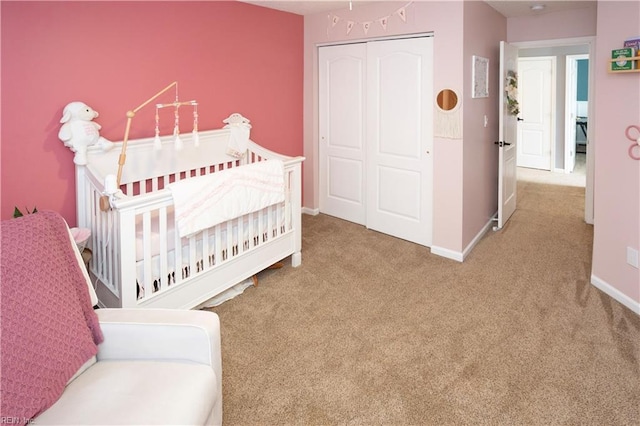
<point x="218" y="197"/>
<point x="229" y="217"/>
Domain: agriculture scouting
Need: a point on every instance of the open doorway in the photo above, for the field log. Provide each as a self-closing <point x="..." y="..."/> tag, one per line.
<point x="573" y="171"/>
<point x="577" y="111"/>
<point x="566" y="148"/>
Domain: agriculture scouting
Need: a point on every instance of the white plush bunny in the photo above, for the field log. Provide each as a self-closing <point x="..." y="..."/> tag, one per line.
<point x="79" y="131"/>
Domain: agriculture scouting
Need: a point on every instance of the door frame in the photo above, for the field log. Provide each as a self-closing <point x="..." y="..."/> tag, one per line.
<point x="571" y="82"/>
<point x="590" y="42"/>
<point x="366" y="40"/>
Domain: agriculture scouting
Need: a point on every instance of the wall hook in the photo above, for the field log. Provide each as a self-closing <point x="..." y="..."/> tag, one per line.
<point x="635" y="146"/>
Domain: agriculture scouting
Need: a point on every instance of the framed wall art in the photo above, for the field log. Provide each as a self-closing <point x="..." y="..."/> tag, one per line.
<point x="480" y="83"/>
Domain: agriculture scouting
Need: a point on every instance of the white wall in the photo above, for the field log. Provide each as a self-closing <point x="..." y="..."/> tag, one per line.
<point x="484" y="28"/>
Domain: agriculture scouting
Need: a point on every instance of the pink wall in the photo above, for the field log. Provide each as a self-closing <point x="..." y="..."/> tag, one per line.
<point x="616" y="105"/>
<point x="617" y="183"/>
<point x="484" y="28"/>
<point x="445" y="20"/>
<point x="229" y="56"/>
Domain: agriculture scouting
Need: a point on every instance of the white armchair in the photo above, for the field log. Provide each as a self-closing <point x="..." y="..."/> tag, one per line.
<point x="151" y="366"/>
<point x="155" y="366"/>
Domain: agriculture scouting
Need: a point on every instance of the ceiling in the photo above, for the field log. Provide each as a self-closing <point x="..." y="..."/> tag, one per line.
<point x="305" y="7"/>
<point x="512" y="8"/>
<point x="508" y="8"/>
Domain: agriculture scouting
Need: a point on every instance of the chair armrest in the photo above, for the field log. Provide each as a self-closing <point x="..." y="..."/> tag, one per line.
<point x="162" y="335"/>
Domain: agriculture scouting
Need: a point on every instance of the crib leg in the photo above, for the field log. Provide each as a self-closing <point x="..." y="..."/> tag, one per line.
<point x="296" y="259"/>
<point x="276" y="265"/>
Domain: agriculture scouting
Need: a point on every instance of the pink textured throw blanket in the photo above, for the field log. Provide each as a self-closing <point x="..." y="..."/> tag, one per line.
<point x="49" y="328"/>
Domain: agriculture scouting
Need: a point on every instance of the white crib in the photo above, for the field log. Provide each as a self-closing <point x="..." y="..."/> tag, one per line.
<point x="139" y="259"/>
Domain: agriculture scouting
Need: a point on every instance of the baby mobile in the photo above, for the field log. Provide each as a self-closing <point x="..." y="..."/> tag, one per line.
<point x="366" y="25"/>
<point x="176" y="129"/>
<point x="111" y="182"/>
<point x="157" y="144"/>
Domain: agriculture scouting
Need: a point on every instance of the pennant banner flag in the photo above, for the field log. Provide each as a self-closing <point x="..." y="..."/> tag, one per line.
<point x="402" y="13"/>
<point x="384" y="21"/>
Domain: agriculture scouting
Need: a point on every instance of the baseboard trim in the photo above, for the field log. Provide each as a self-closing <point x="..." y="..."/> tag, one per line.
<point x="312" y="212"/>
<point x="461" y="256"/>
<point x="449" y="254"/>
<point x="616" y="294"/>
<point x="487" y="227"/>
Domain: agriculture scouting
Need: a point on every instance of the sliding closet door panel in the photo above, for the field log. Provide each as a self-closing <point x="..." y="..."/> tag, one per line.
<point x="399" y="138"/>
<point x="396" y="113"/>
<point x="342" y="97"/>
<point x="397" y="189"/>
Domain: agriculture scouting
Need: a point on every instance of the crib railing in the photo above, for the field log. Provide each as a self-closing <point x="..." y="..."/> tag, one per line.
<point x="135" y="275"/>
<point x="180" y="259"/>
<point x="157" y="183"/>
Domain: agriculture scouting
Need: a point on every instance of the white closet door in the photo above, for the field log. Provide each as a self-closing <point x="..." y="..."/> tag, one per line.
<point x="400" y="138"/>
<point x="342" y="100"/>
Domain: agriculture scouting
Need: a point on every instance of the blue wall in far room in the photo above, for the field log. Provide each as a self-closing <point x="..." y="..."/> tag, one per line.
<point x="583" y="80"/>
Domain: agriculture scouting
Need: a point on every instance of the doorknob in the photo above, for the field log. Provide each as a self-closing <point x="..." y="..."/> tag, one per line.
<point x="520" y="119"/>
<point x="501" y="143"/>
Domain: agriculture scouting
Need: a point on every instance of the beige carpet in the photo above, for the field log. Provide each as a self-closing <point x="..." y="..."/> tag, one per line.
<point x="373" y="330"/>
<point x="578" y="177"/>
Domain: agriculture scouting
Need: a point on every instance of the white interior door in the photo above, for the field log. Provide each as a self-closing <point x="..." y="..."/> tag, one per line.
<point x="400" y="138"/>
<point x="507" y="139"/>
<point x="535" y="92"/>
<point x="342" y="97"/>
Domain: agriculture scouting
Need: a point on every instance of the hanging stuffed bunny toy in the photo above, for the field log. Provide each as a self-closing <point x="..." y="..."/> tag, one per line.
<point x="78" y="131"/>
<point x="239" y="135"/>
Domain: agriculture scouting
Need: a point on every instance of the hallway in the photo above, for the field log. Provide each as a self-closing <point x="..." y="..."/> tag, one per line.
<point x="577" y="178"/>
